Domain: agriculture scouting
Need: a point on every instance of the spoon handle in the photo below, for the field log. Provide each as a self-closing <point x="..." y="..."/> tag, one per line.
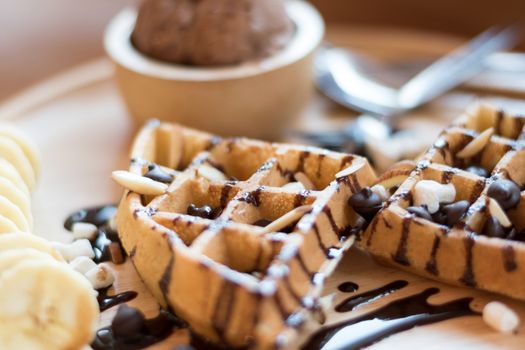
<point x="456" y="67"/>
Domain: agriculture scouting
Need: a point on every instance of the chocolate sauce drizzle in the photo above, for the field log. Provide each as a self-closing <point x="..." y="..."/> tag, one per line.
<point x="106" y="243"/>
<point x="348" y="287"/>
<point x="431" y="266"/>
<point x="397" y="316"/>
<point x="106" y="301"/>
<point x="370" y="296"/>
<point x="400" y="256"/>
<point x="152" y="331"/>
<point x="468" y="275"/>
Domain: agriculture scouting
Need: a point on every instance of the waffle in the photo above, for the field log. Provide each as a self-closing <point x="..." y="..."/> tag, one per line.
<point x="464" y="251"/>
<point x="213" y="246"/>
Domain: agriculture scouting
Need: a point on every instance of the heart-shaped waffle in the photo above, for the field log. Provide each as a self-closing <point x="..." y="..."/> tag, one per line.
<point x="242" y="237"/>
<point x="474" y="243"/>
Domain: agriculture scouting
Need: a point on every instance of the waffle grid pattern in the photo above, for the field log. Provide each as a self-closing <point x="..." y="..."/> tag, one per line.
<point x="460" y="254"/>
<point x="229" y="278"/>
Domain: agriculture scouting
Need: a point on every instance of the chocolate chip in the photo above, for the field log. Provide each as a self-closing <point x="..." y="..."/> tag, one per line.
<point x="420" y="212"/>
<point x="516" y="235"/>
<point x="127" y="322"/>
<point x="115" y="252"/>
<point x="505" y="192"/>
<point x="156" y="173"/>
<point x="366" y="203"/>
<point x="478" y="170"/>
<point x="455" y="211"/>
<point x="439" y="217"/>
<point x="78" y="216"/>
<point x="262" y="222"/>
<point x="103" y="215"/>
<point x="493" y="228"/>
<point x="184" y="347"/>
<point x="205" y="211"/>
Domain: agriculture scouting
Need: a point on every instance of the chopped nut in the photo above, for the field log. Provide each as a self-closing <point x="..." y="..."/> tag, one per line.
<point x="302" y="178"/>
<point x="139" y="184"/>
<point x="287" y="219"/>
<point x="500" y="317"/>
<point x="100" y="276"/>
<point x="211" y="174"/>
<point x="476" y="145"/>
<point x="69" y="252"/>
<point x="82" y="264"/>
<point x="84" y="230"/>
<point x="498" y="213"/>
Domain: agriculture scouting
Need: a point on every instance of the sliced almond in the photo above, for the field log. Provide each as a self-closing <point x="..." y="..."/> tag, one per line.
<point x="287" y="219"/>
<point x="396" y="174"/>
<point x="349" y="170"/>
<point x="210" y="173"/>
<point x="302" y="178"/>
<point x="476" y="145"/>
<point x="498" y="213"/>
<point x="139" y="184"/>
<point x="393" y="181"/>
<point x="294" y="186"/>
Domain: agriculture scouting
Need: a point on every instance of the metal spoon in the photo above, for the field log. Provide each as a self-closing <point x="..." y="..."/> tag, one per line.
<point x="338" y="76"/>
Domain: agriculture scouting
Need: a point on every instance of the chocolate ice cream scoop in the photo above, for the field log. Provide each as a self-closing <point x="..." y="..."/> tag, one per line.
<point x="211" y="32"/>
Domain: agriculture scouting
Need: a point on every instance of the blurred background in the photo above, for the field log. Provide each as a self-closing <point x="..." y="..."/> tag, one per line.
<point x="42" y="37"/>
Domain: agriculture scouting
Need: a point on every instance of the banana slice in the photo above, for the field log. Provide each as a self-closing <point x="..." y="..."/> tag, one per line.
<point x="10" y="241"/>
<point x="13" y="214"/>
<point x="24" y="142"/>
<point x="44" y="304"/>
<point x="11" y="258"/>
<point x="7" y="226"/>
<point x="17" y="197"/>
<point x="8" y="171"/>
<point x="12" y="152"/>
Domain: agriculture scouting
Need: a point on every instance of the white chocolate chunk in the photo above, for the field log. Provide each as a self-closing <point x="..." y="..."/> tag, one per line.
<point x="83" y="230"/>
<point x="499" y="213"/>
<point x="100" y="276"/>
<point x="82" y="264"/>
<point x="380" y="191"/>
<point x="69" y="252"/>
<point x="302" y="178"/>
<point x="211" y="174"/>
<point x="139" y="184"/>
<point x="431" y="193"/>
<point x="500" y="317"/>
<point x="476" y="145"/>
